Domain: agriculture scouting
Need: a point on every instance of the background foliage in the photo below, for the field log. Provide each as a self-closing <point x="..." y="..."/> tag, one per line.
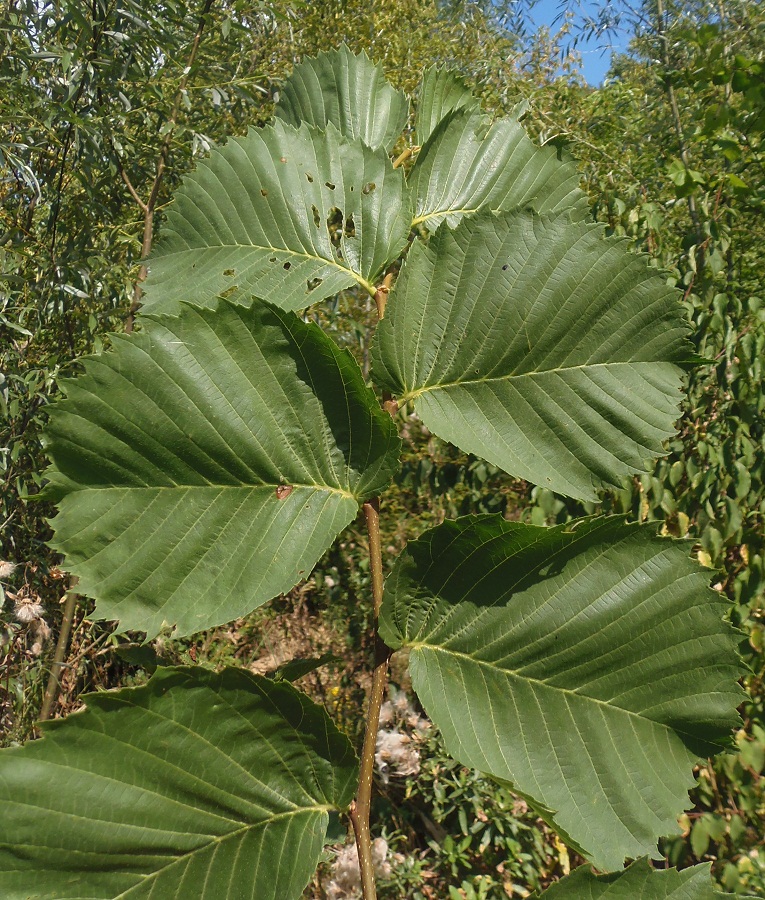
<point x="672" y="153"/>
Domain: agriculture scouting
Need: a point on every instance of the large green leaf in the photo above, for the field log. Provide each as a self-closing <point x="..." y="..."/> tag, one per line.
<point x="441" y="92"/>
<point x="291" y="216"/>
<point x="348" y="91"/>
<point x="638" y="882"/>
<point x="539" y="345"/>
<point x="468" y="164"/>
<point x="203" y="785"/>
<point x="586" y="664"/>
<point x="207" y="462"/>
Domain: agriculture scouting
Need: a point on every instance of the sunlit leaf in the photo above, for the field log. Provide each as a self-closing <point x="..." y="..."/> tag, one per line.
<point x="204" y="785"/>
<point x="538" y="345"/>
<point x="587" y="664"/>
<point x="469" y="164"/>
<point x="441" y="92"/>
<point x="206" y="463"/>
<point x="290" y="216"/>
<point x="348" y="91"/>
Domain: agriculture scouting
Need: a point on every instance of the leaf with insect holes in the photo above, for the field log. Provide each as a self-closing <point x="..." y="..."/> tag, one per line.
<point x="288" y="215"/>
<point x="205" y="464"/>
<point x="197" y="784"/>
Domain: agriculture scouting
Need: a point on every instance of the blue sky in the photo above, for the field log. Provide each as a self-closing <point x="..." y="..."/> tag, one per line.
<point x="595" y="61"/>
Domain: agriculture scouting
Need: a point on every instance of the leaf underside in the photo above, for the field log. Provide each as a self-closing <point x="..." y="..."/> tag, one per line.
<point x="539" y="345"/>
<point x="348" y="91"/>
<point x="441" y="92"/>
<point x="289" y="215"/>
<point x="638" y="882"/>
<point x="585" y="664"/>
<point x="469" y="164"/>
<point x="205" y="785"/>
<point x="205" y="464"/>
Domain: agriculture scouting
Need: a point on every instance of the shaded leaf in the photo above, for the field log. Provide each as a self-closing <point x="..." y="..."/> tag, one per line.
<point x="297" y="668"/>
<point x="638" y="882"/>
<point x="291" y="216"/>
<point x="348" y="91"/>
<point x="538" y="345"/>
<point x="170" y="453"/>
<point x="587" y="664"/>
<point x="469" y="164"/>
<point x="441" y="92"/>
<point x="197" y="784"/>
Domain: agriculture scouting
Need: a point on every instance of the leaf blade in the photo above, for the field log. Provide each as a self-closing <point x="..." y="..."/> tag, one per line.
<point x="195" y="782"/>
<point x="205" y="464"/>
<point x="441" y="92"/>
<point x="533" y="342"/>
<point x="637" y="881"/>
<point x="469" y="164"/>
<point x="348" y="91"/>
<point x="289" y="215"/>
<point x="585" y="665"/>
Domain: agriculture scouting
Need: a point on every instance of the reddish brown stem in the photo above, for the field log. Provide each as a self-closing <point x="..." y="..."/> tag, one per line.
<point x="361" y="807"/>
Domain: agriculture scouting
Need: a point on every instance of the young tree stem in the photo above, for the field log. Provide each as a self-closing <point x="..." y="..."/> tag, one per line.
<point x="62" y="645"/>
<point x="360" y="808"/>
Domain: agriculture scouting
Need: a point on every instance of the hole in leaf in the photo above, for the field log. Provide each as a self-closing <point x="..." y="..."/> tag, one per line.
<point x="287" y="266"/>
<point x="368" y="187"/>
<point x="272" y="259"/>
<point x="263" y="192"/>
<point x="312" y="284"/>
<point x="229" y="273"/>
<point x="309" y="177"/>
<point x="335" y="226"/>
<point x="505" y="267"/>
<point x="316" y="216"/>
<point x="350" y="227"/>
<point x="329" y="185"/>
<point x="229" y="291"/>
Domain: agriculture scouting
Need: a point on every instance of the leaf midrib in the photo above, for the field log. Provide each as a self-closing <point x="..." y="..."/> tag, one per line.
<point x="412" y="395"/>
<point x="220" y="840"/>
<point x="214" y="487"/>
<point x="265" y="248"/>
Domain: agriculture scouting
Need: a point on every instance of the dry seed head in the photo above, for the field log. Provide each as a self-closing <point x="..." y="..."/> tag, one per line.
<point x="28" y="608"/>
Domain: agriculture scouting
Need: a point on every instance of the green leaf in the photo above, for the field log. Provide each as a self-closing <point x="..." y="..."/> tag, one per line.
<point x="291" y="216"/>
<point x="469" y="164"/>
<point x="538" y="345"/>
<point x="638" y="882"/>
<point x="441" y="92"/>
<point x="341" y="89"/>
<point x="197" y="784"/>
<point x="587" y="664"/>
<point x="207" y="462"/>
<point x="297" y="668"/>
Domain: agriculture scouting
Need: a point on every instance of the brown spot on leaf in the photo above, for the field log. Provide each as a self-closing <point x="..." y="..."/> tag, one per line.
<point x="283" y="491"/>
